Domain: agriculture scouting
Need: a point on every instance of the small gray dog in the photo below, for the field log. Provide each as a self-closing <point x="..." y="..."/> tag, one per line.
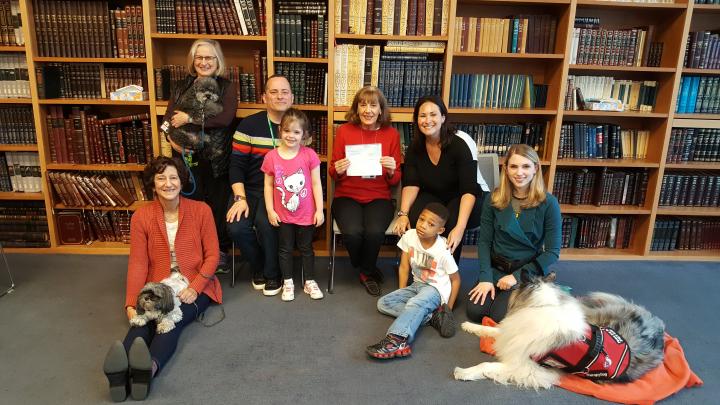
<point x="201" y="101"/>
<point x="159" y="302"/>
<point x="547" y="331"/>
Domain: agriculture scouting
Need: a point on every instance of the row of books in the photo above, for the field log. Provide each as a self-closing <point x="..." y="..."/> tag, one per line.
<point x="592" y="45"/>
<point x="699" y="94"/>
<point x="602" y="186"/>
<point x="596" y="231"/>
<point x="497" y="138"/>
<point x="392" y="17"/>
<point x="702" y="50"/>
<point x="404" y="81"/>
<point x="308" y="81"/>
<point x="80" y="227"/>
<point x="707" y="1"/>
<point x="690" y="189"/>
<point x="16" y="125"/>
<point x="14" y="79"/>
<point x="520" y="34"/>
<point x="694" y="145"/>
<point x="118" y="77"/>
<point x="301" y="30"/>
<point x="69" y="80"/>
<point x="10" y="24"/>
<point x="215" y="17"/>
<point x="23" y="224"/>
<point x="581" y="140"/>
<point x="78" y="136"/>
<point x="319" y="133"/>
<point x="496" y="90"/>
<point x="685" y="234"/>
<point x="20" y="172"/>
<point x="97" y="189"/>
<point x="635" y="95"/>
<point x="88" y="29"/>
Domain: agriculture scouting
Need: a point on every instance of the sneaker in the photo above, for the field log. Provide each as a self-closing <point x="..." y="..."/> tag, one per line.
<point x="391" y="346"/>
<point x="444" y="321"/>
<point x="288" y="290"/>
<point x="311" y="288"/>
<point x="378" y="275"/>
<point x="272" y="287"/>
<point x="370" y="284"/>
<point x="224" y="264"/>
<point x="258" y="281"/>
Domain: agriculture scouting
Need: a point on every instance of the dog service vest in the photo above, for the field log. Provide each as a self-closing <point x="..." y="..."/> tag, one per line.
<point x="601" y="354"/>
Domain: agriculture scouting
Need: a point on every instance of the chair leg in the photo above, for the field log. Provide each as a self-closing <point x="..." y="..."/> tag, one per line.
<point x="232" y="279"/>
<point x="7" y="267"/>
<point x="331" y="279"/>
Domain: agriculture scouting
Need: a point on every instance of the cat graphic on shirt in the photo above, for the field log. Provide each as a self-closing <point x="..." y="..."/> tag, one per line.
<point x="295" y="185"/>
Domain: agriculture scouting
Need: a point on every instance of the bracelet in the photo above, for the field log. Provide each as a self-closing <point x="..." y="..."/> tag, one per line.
<point x="401" y="213"/>
<point x="239" y="197"/>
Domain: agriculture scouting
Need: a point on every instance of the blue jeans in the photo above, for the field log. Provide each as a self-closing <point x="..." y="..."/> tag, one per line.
<point x="412" y="306"/>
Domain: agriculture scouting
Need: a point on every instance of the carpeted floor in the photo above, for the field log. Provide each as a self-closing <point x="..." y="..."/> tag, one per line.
<point x="66" y="310"/>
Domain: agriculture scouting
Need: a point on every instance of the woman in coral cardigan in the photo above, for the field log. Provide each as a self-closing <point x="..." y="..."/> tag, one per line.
<point x="172" y="234"/>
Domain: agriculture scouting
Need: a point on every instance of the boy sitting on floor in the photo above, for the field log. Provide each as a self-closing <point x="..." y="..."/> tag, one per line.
<point x="431" y="296"/>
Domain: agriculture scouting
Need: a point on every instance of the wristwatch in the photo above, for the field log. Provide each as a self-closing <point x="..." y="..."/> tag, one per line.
<point x="239" y="197"/>
<point x="401" y="213"/>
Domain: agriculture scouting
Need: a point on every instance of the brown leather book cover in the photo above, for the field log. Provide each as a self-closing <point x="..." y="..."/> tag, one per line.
<point x="420" y="30"/>
<point x="72" y="229"/>
<point x="120" y="192"/>
<point x="96" y="180"/>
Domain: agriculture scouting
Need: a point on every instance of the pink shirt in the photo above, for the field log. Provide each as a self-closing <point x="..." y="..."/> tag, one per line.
<point x="293" y="194"/>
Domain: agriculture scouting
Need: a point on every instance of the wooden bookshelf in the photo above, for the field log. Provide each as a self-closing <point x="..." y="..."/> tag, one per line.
<point x="10" y="48"/>
<point x="674" y="21"/>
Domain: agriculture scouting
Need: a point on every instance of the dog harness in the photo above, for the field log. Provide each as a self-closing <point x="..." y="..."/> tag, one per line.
<point x="601" y="354"/>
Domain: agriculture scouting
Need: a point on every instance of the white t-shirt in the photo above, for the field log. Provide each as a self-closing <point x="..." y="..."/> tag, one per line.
<point x="430" y="266"/>
<point x="474" y="151"/>
<point x="172" y="228"/>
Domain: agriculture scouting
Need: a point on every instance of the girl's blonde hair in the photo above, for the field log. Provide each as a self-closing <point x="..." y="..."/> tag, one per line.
<point x="369" y="94"/>
<point x="536" y="193"/>
<point x="215" y="46"/>
<point x="294" y="115"/>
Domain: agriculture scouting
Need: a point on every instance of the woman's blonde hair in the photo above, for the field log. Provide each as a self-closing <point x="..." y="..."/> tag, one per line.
<point x="536" y="193"/>
<point x="369" y="94"/>
<point x="215" y="45"/>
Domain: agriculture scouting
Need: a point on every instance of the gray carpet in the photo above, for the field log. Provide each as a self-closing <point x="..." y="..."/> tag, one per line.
<point x="56" y="327"/>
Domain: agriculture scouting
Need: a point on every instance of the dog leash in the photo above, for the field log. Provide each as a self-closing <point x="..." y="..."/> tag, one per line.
<point x="201" y="316"/>
<point x="186" y="155"/>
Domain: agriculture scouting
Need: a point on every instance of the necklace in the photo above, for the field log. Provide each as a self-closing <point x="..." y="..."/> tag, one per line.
<point x="520" y="198"/>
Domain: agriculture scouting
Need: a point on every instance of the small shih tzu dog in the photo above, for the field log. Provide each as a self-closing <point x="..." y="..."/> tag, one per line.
<point x="159" y="302"/>
<point x="547" y="332"/>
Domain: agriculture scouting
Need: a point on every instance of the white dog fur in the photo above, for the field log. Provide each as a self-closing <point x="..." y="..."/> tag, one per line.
<point x="165" y="320"/>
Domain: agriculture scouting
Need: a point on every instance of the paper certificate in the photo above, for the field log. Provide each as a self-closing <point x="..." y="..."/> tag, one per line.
<point x="364" y="159"/>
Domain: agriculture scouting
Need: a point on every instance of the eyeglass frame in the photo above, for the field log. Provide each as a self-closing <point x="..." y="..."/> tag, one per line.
<point x="199" y="58"/>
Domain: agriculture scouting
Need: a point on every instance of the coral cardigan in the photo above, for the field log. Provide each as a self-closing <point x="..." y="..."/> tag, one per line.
<point x="196" y="249"/>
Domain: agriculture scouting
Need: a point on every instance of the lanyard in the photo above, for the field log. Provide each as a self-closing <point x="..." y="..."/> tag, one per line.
<point x="272" y="135"/>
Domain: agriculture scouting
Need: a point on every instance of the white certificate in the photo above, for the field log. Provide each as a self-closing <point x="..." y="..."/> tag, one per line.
<point x="364" y="159"/>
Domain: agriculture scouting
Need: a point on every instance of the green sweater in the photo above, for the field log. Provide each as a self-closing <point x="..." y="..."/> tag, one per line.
<point x="519" y="238"/>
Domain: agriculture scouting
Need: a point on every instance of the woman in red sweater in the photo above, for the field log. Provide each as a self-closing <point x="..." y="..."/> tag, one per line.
<point x="172" y="234"/>
<point x="362" y="206"/>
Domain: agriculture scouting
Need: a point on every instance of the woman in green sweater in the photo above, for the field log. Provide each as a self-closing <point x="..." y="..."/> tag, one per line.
<point x="519" y="237"/>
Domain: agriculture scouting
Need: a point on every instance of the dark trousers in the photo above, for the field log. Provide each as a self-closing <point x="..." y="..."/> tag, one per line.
<point x="302" y="236"/>
<point x="262" y="255"/>
<point x="495" y="309"/>
<point x="363" y="229"/>
<point x="453" y="206"/>
<point x="213" y="191"/>
<point x="162" y="345"/>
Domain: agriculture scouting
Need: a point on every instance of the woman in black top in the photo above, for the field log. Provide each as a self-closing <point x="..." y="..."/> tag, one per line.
<point x="439" y="168"/>
<point x="210" y="176"/>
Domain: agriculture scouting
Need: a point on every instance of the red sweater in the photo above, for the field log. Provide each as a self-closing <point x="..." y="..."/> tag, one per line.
<point x="196" y="249"/>
<point x="357" y="188"/>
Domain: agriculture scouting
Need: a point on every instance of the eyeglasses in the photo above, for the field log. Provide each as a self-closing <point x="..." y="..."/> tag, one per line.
<point x="205" y="58"/>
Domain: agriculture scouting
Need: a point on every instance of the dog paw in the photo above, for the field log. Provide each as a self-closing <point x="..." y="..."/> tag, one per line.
<point x="466" y="374"/>
<point x="138" y="321"/>
<point x="165" y="327"/>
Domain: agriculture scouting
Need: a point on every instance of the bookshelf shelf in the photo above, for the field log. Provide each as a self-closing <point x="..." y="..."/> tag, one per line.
<point x="701" y="71"/>
<point x="604" y="209"/>
<point x="608" y="163"/>
<point x="709" y="255"/>
<point x="6" y="48"/>
<point x="706" y="8"/>
<point x="513" y="2"/>
<point x="131" y="207"/>
<point x="89" y="101"/>
<point x="694" y="165"/>
<point x="18" y="148"/>
<point x="300" y="60"/>
<point x="690" y="211"/>
<point x="600" y="254"/>
<point x="20" y="196"/>
<point x="695" y="123"/>
<point x="608" y="114"/>
<point x="435" y="38"/>
<point x="89" y="60"/>
<point x="256" y="38"/>
<point x="643" y="69"/>
<point x="629" y="5"/>
<point x="15" y="101"/>
<point x="699" y="116"/>
<point x="503" y="111"/>
<point x="509" y="55"/>
<point x="310" y="107"/>
<point x="111" y="167"/>
<point x="96" y="248"/>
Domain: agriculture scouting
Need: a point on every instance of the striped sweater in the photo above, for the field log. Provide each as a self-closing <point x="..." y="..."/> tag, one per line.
<point x="251" y="142"/>
<point x="196" y="249"/>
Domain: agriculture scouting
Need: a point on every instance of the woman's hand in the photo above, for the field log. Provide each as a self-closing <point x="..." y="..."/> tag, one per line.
<point x="273" y="218"/>
<point x="401" y="225"/>
<point x="341" y="166"/>
<point x="130" y="312"/>
<point x="454" y="238"/>
<point x="179" y="119"/>
<point x="480" y="292"/>
<point x="237" y="210"/>
<point x="319" y="217"/>
<point x="388" y="162"/>
<point x="188" y="295"/>
<point x="506" y="282"/>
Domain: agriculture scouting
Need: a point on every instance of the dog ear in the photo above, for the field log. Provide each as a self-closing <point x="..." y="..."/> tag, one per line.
<point x="139" y="309"/>
<point x="550" y="277"/>
<point x="167" y="299"/>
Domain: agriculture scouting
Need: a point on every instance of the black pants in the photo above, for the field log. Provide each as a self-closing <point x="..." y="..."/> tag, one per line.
<point x="213" y="191"/>
<point x="453" y="206"/>
<point x="363" y="229"/>
<point x="494" y="308"/>
<point x="302" y="236"/>
<point x="162" y="345"/>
